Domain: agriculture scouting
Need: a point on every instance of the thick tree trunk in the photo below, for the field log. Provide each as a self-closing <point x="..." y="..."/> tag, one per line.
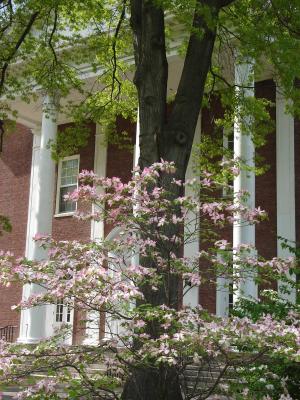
<point x="151" y="384"/>
<point x="178" y="135"/>
<point x="151" y="75"/>
<point x="171" y="141"/>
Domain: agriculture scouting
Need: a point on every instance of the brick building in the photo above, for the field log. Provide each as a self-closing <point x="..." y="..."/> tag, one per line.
<point x="32" y="186"/>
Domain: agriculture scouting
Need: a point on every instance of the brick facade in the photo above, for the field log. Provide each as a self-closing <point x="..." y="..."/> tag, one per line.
<point x="15" y="167"/>
<point x="207" y="291"/>
<point x="120" y="160"/>
<point x="265" y="184"/>
<point x="119" y="163"/>
<point x="297" y="182"/>
<point x="265" y="187"/>
<point x="69" y="228"/>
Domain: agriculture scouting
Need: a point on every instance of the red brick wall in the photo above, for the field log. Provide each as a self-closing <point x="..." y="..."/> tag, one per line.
<point x="15" y="167"/>
<point x="265" y="185"/>
<point x="297" y="182"/>
<point x="207" y="291"/>
<point x="297" y="178"/>
<point x="69" y="228"/>
<point x="119" y="163"/>
<point x="15" y="162"/>
<point x="120" y="160"/>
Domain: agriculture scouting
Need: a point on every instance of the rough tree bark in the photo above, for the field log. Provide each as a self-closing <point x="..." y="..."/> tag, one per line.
<point x="170" y="139"/>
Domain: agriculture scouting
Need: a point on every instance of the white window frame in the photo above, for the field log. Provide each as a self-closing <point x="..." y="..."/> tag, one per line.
<point x="63" y="312"/>
<point x="67" y="317"/>
<point x="58" y="186"/>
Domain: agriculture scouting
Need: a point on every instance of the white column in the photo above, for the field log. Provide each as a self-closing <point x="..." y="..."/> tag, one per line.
<point x="222" y="297"/>
<point x="285" y="178"/>
<point x="31" y="226"/>
<point x="137" y="149"/>
<point x="100" y="160"/>
<point x="191" y="249"/>
<point x="41" y="198"/>
<point x="135" y="258"/>
<point x="112" y="325"/>
<point x="243" y="233"/>
<point x="222" y="283"/>
<point x="97" y="230"/>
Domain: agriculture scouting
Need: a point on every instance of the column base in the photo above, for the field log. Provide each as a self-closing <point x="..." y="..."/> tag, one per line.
<point x="89" y="341"/>
<point x="191" y="298"/>
<point x="26" y="340"/>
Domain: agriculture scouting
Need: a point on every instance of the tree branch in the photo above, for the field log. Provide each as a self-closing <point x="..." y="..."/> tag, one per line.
<point x="114" y="45"/>
<point x="135" y="22"/>
<point x="16" y="48"/>
<point x="225" y="3"/>
<point x="52" y="34"/>
<point x="10" y="11"/>
<point x="179" y="133"/>
<point x="293" y="32"/>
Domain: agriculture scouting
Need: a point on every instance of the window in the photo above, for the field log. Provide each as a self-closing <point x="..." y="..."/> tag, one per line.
<point x="67" y="182"/>
<point x="230" y="301"/>
<point x="68" y="319"/>
<point x="228" y="140"/>
<point x="62" y="312"/>
<point x="59" y="310"/>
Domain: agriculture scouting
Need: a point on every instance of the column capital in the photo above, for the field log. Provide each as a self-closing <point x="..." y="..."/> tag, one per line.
<point x="99" y="130"/>
<point x="36" y="130"/>
<point x="242" y="59"/>
<point x="244" y="74"/>
<point x="51" y="104"/>
<point x="283" y="101"/>
<point x="279" y="89"/>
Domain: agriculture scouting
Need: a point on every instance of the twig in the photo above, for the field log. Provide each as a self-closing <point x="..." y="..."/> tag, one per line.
<point x="52" y="34"/>
<point x="16" y="48"/>
<point x="114" y="45"/>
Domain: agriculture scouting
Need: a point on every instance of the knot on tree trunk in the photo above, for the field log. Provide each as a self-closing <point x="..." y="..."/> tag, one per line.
<point x="181" y="137"/>
<point x="157" y="41"/>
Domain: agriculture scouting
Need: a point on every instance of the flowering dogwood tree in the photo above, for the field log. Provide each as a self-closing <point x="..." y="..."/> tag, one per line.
<point x="158" y="340"/>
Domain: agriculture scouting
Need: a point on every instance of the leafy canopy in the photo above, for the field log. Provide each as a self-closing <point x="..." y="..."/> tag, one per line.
<point x="86" y="48"/>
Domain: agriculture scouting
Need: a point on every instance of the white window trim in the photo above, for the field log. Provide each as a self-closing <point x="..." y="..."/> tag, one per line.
<point x="59" y="214"/>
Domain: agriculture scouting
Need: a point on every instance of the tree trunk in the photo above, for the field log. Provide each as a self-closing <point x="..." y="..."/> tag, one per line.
<point x="151" y="76"/>
<point x="153" y="384"/>
<point x="178" y="134"/>
<point x="171" y="141"/>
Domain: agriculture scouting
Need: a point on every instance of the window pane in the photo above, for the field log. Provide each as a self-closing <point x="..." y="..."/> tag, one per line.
<point x="230" y="305"/>
<point x="66" y="206"/>
<point x="68" y="313"/>
<point x="59" y="311"/>
<point x="68" y="183"/>
<point x="69" y="172"/>
<point x="69" y="180"/>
